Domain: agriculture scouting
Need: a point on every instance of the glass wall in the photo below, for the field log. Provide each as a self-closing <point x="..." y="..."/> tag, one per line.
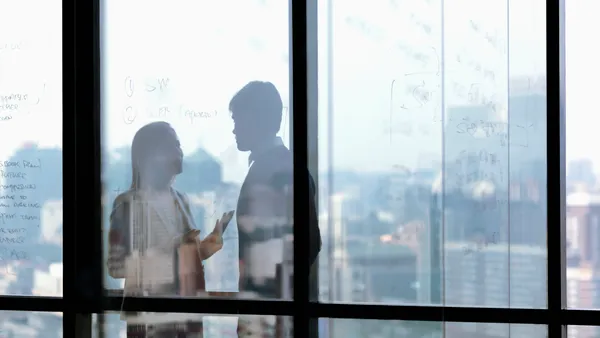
<point x="429" y="155"/>
<point x="582" y="203"/>
<point x="196" y="133"/>
<point x="31" y="161"/>
<point x="432" y="154"/>
<point x="577" y="331"/>
<point x="395" y="328"/>
<point x="109" y="325"/>
<point x="24" y="324"/>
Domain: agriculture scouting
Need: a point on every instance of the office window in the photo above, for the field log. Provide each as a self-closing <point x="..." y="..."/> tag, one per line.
<point x="433" y="132"/>
<point x="110" y="325"/>
<point x="433" y="155"/>
<point x="334" y="328"/>
<point x="577" y="331"/>
<point x="582" y="161"/>
<point x="186" y="104"/>
<point x="31" y="195"/>
<point x="30" y="324"/>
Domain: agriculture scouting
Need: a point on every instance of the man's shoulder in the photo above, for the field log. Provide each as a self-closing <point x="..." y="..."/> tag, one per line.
<point x="280" y="157"/>
<point x="277" y="168"/>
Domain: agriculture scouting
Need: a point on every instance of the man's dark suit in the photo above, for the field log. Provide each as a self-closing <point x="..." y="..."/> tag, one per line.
<point x="264" y="217"/>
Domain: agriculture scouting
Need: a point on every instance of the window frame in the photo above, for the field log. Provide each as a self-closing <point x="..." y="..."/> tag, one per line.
<point x="83" y="277"/>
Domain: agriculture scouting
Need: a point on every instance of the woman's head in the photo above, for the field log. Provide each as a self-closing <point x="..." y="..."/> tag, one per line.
<point x="156" y="156"/>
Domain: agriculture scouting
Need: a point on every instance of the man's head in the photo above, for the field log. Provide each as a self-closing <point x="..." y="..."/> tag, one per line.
<point x="256" y="111"/>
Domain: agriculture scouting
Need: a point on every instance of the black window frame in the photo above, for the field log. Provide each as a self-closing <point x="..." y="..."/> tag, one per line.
<point x="82" y="249"/>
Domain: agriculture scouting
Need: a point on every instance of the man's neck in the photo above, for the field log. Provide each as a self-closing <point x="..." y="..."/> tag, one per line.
<point x="264" y="146"/>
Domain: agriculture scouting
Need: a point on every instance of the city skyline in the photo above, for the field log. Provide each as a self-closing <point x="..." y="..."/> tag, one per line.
<point x="432" y="175"/>
<point x="203" y="120"/>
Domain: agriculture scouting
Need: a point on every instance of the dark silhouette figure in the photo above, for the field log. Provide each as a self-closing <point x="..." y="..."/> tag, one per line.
<point x="150" y="224"/>
<point x="264" y="210"/>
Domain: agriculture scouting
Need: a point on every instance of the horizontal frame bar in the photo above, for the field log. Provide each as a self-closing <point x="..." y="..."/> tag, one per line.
<point x="226" y="306"/>
<point x="202" y="305"/>
<point x="283" y="308"/>
<point x="433" y="313"/>
<point x="230" y="306"/>
<point x="34" y="304"/>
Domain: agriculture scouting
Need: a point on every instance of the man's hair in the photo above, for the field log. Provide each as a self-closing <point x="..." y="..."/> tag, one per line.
<point x="262" y="100"/>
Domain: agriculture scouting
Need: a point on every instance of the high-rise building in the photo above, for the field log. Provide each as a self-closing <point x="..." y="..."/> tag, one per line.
<point x="495" y="275"/>
<point x="335" y="273"/>
<point x="583" y="217"/>
<point x="582" y="289"/>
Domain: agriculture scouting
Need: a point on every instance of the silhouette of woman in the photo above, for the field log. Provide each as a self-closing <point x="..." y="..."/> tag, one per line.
<point x="149" y="223"/>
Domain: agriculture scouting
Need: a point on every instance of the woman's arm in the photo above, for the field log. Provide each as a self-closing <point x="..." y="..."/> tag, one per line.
<point x="118" y="238"/>
<point x="211" y="244"/>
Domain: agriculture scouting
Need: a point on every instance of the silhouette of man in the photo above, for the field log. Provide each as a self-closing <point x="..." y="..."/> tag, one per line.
<point x="264" y="211"/>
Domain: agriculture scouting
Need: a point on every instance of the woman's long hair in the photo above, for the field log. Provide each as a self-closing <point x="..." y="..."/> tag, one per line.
<point x="145" y="141"/>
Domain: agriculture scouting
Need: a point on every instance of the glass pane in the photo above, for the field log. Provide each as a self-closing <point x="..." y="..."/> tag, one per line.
<point x="583" y="204"/>
<point x="433" y="152"/>
<point x="577" y="331"/>
<point x="115" y="325"/>
<point x="31" y="153"/>
<point x="352" y="328"/>
<point x="195" y="107"/>
<point x="20" y="324"/>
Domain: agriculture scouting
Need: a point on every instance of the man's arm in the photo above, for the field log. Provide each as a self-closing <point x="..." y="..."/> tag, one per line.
<point x="284" y="179"/>
<point x="314" y="231"/>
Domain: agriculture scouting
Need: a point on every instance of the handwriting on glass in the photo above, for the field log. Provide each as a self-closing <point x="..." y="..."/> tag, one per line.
<point x="163" y="111"/>
<point x="474" y="162"/>
<point x="19" y="211"/>
<point x="480" y="166"/>
<point x="514" y="135"/>
<point x="421" y="90"/>
<point x="10" y="47"/>
<point x="11" y="103"/>
<point x="160" y="84"/>
<point x="481" y="243"/>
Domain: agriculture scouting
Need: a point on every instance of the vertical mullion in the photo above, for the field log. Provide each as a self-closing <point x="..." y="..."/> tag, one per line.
<point x="87" y="278"/>
<point x="96" y="162"/>
<point x="300" y="149"/>
<point x="82" y="242"/>
<point x="555" y="152"/>
<point x="68" y="161"/>
<point x="312" y="61"/>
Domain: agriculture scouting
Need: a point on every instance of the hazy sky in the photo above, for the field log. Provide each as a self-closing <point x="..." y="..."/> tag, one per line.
<point x="207" y="51"/>
<point x="30" y="66"/>
<point x="583" y="71"/>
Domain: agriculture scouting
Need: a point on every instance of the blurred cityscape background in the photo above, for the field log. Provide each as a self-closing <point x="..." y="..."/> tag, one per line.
<point x="465" y="225"/>
<point x="396" y="237"/>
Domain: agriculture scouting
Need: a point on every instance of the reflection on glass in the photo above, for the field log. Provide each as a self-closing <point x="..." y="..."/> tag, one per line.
<point x="197" y="172"/>
<point x="582" y="189"/>
<point x="351" y="328"/>
<point x="153" y="242"/>
<point x="31" y="152"/>
<point x="190" y="325"/>
<point x="434" y="171"/>
<point x="30" y="324"/>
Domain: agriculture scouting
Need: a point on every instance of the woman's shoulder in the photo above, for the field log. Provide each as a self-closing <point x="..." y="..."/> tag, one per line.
<point x="124" y="197"/>
<point x="183" y="197"/>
